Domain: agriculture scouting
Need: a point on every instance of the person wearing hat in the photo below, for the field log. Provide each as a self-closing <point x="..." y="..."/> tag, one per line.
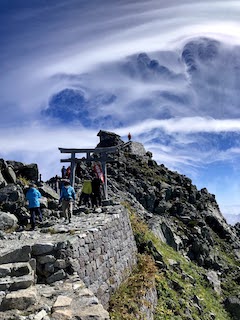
<point x="33" y="196"/>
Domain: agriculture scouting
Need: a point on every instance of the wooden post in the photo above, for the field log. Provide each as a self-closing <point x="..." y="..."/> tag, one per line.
<point x="104" y="167"/>
<point x="73" y="168"/>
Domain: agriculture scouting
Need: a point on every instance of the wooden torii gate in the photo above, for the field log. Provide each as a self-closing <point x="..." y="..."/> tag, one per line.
<point x="103" y="158"/>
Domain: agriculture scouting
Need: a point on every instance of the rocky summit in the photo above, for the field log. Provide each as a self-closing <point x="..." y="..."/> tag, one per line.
<point x="157" y="248"/>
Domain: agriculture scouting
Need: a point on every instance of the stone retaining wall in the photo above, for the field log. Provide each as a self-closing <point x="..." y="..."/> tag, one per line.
<point x="104" y="257"/>
<point x="102" y="253"/>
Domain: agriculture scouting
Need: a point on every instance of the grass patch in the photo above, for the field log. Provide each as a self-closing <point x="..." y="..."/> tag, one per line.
<point x="183" y="291"/>
<point x="24" y="181"/>
<point x="125" y="304"/>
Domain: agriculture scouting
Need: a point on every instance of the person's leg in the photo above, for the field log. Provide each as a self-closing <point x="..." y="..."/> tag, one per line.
<point x="39" y="213"/>
<point x="64" y="208"/>
<point x="98" y="199"/>
<point x="81" y="199"/>
<point x="70" y="208"/>
<point x="94" y="200"/>
<point x="32" y="218"/>
<point x="85" y="199"/>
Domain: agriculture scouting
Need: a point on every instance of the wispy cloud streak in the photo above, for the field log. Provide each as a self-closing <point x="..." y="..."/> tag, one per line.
<point x="185" y="115"/>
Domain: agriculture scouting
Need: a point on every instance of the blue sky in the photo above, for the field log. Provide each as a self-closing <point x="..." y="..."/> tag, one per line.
<point x="168" y="72"/>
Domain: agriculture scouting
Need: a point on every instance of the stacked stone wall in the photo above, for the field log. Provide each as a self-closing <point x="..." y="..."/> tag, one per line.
<point x="101" y="253"/>
<point x="103" y="258"/>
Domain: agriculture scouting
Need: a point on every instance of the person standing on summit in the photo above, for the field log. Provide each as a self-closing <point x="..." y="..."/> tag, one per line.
<point x="33" y="196"/>
<point x="66" y="198"/>
<point x="129" y="136"/>
<point x="63" y="171"/>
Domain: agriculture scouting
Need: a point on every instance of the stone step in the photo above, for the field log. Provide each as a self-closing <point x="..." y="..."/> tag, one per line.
<point x="17" y="283"/>
<point x="15" y="269"/>
<point x="21" y="299"/>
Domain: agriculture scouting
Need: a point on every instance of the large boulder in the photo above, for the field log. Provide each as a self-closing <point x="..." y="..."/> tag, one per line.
<point x="48" y="192"/>
<point x="11" y="198"/>
<point x="27" y="171"/>
<point x="108" y="139"/>
<point x="7" y="220"/>
<point x="7" y="171"/>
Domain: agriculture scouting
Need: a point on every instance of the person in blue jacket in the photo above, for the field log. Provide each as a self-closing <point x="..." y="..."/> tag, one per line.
<point x="33" y="196"/>
<point x="67" y="198"/>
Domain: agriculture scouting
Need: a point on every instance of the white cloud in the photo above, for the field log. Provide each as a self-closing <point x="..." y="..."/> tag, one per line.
<point x="73" y="37"/>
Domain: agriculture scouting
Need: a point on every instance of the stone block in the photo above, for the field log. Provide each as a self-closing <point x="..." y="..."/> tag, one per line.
<point x="65" y="314"/>
<point x="49" y="268"/>
<point x="20" y="269"/>
<point x="22" y="282"/>
<point x="39" y="249"/>
<point x="46" y="259"/>
<point x="5" y="270"/>
<point x="18" y="255"/>
<point x="40" y="315"/>
<point x="20" y="299"/>
<point x="60" y="264"/>
<point x="5" y="283"/>
<point x="62" y="302"/>
<point x="59" y="275"/>
<point x="94" y="312"/>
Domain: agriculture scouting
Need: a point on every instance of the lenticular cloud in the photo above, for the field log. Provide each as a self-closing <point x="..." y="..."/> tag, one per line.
<point x="200" y="79"/>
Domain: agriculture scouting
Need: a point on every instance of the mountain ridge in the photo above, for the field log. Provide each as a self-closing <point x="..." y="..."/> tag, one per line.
<point x="180" y="216"/>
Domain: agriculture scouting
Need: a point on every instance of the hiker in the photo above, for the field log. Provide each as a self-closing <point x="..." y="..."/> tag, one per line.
<point x="67" y="198"/>
<point x="64" y="172"/>
<point x="129" y="136"/>
<point x="33" y="196"/>
<point x="85" y="196"/>
<point x="96" y="192"/>
<point x="68" y="172"/>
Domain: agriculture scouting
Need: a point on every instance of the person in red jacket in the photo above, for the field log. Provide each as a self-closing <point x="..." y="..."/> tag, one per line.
<point x="68" y="172"/>
<point x="129" y="136"/>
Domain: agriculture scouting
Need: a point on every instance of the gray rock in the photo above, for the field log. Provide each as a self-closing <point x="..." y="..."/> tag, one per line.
<point x="7" y="220"/>
<point x="43" y="202"/>
<point x="48" y="192"/>
<point x="59" y="275"/>
<point x="3" y="182"/>
<point x="28" y="171"/>
<point x="22" y="282"/>
<point x="42" y="248"/>
<point x="213" y="279"/>
<point x="18" y="255"/>
<point x="232" y="305"/>
<point x="20" y="299"/>
<point x="46" y="259"/>
<point x="9" y="175"/>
